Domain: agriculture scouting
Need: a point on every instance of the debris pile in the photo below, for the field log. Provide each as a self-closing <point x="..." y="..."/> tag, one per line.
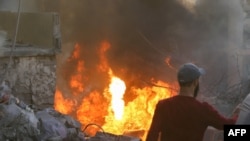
<point x="21" y="122"/>
<point x="102" y="136"/>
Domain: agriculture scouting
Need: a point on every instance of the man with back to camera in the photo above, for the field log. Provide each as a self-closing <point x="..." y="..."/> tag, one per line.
<point x="182" y="117"/>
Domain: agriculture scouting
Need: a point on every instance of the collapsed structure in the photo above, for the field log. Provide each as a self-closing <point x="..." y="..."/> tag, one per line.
<point x="28" y="54"/>
<point x="29" y="67"/>
<point x="29" y="43"/>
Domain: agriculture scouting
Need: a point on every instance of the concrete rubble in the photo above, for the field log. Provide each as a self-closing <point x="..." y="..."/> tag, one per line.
<point x="102" y="136"/>
<point x="21" y="122"/>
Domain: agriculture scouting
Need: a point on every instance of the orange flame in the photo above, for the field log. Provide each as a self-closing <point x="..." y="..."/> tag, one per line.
<point x="76" y="53"/>
<point x="167" y="61"/>
<point x="62" y="104"/>
<point x="139" y="112"/>
<point x="77" y="79"/>
<point x="107" y="107"/>
<point x="92" y="110"/>
<point x="103" y="66"/>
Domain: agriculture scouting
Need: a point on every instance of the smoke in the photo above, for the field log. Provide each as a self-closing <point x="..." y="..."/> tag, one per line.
<point x="218" y="51"/>
<point x="143" y="33"/>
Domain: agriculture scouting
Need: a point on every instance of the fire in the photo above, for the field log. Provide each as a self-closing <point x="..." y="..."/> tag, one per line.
<point x="167" y="61"/>
<point x="77" y="79"/>
<point x="106" y="107"/>
<point x="76" y="53"/>
<point x="117" y="88"/>
<point x="62" y="104"/>
<point x="139" y="112"/>
<point x="91" y="110"/>
<point x="103" y="66"/>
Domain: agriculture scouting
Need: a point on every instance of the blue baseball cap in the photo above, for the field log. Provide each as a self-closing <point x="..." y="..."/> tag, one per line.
<point x="189" y="72"/>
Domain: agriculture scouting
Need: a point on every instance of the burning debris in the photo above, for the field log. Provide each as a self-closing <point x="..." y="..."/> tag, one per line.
<point x="117" y="106"/>
<point x="85" y="88"/>
<point x="21" y="122"/>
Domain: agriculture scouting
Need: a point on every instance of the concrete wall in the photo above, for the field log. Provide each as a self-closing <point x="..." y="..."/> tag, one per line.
<point x="32" y="79"/>
<point x="30" y="65"/>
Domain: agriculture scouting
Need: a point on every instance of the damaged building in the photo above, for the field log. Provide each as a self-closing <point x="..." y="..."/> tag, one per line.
<point x="29" y="42"/>
<point x="60" y="60"/>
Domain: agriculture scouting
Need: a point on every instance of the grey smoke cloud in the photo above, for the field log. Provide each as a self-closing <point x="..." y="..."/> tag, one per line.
<point x="142" y="33"/>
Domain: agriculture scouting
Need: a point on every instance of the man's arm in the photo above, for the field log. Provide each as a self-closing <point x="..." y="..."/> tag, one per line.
<point x="214" y="118"/>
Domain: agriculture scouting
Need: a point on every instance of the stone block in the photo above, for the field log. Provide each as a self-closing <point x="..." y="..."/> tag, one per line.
<point x="32" y="79"/>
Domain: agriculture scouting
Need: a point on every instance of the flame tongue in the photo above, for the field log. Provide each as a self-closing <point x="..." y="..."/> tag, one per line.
<point x="117" y="88"/>
<point x="106" y="107"/>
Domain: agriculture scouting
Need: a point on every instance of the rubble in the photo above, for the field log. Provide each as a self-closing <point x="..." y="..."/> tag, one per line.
<point x="102" y="136"/>
<point x="22" y="125"/>
<point x="19" y="122"/>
